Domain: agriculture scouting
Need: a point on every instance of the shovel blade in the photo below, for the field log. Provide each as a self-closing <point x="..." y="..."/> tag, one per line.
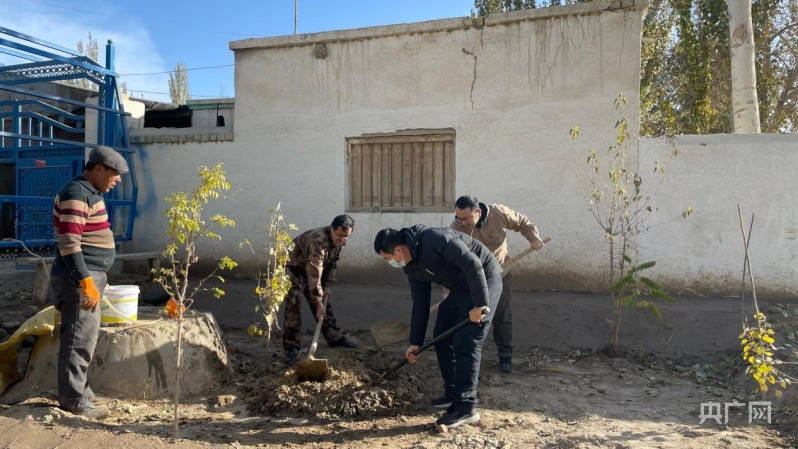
<point x="389" y="332"/>
<point x="311" y="370"/>
<point x="41" y="284"/>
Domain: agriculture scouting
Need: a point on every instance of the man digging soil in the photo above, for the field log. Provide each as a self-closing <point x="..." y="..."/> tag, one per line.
<point x="312" y="263"/>
<point x="470" y="271"/>
<point x="489" y="224"/>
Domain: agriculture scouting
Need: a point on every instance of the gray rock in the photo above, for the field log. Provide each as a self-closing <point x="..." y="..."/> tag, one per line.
<point x="3" y="334"/>
<point x="772" y="308"/>
<point x="10" y="326"/>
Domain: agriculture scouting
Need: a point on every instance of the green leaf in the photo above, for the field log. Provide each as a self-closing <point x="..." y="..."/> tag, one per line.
<point x="653" y="310"/>
<point x="628" y="300"/>
<point x="645" y="265"/>
<point x="649" y="283"/>
<point x="661" y="295"/>
<point x="627" y="280"/>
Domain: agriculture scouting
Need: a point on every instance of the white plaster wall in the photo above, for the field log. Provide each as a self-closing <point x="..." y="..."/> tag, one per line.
<point x="713" y="174"/>
<point x="511" y="90"/>
<point x="536" y="77"/>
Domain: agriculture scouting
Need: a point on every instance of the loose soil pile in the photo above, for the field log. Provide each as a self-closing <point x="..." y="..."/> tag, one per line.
<point x="347" y="392"/>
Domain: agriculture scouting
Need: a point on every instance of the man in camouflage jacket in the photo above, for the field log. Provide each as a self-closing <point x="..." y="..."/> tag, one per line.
<point x="310" y="268"/>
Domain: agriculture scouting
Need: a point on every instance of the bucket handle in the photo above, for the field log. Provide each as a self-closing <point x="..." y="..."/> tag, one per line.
<point x="115" y="310"/>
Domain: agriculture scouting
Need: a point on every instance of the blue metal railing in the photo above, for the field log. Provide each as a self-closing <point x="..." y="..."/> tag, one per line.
<point x="34" y="138"/>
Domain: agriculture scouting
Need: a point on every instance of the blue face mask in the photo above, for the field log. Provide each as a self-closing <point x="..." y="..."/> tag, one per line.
<point x="396" y="264"/>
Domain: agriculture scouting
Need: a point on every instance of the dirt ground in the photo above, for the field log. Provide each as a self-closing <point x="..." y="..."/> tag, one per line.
<point x="571" y="397"/>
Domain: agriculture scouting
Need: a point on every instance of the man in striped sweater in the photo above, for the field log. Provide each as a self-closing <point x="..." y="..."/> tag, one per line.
<point x="86" y="251"/>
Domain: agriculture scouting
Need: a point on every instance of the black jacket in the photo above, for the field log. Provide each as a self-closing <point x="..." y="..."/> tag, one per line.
<point x="448" y="258"/>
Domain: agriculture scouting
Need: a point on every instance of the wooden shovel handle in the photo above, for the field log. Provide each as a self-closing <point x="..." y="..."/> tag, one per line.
<point x="509" y="263"/>
<point x="315" y="342"/>
<point x="505" y="266"/>
<point x="395" y="367"/>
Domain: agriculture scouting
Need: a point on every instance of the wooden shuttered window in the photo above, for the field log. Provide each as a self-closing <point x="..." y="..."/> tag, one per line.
<point x="401" y="173"/>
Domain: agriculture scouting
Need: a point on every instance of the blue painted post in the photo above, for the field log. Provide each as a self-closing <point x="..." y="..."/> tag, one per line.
<point x="16" y="125"/>
<point x="110" y="98"/>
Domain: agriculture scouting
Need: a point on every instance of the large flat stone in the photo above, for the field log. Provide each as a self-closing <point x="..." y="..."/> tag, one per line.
<point x="137" y="361"/>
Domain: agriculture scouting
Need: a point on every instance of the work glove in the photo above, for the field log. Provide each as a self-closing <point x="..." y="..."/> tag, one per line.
<point x="89" y="294"/>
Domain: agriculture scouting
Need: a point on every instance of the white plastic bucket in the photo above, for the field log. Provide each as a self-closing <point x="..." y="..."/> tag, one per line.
<point x="120" y="305"/>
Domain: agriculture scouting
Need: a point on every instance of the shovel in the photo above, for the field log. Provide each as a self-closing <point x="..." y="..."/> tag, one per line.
<point x="393" y="331"/>
<point x="400" y="363"/>
<point x="41" y="284"/>
<point x="313" y="369"/>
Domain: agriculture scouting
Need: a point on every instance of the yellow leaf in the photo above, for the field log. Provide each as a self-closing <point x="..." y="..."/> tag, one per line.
<point x="252" y="329"/>
<point x="778" y="393"/>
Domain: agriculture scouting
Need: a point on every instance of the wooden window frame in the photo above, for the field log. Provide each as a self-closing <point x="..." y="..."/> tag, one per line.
<point x="409" y="171"/>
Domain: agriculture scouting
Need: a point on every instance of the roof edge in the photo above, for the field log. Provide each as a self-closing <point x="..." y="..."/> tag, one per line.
<point x="436" y="25"/>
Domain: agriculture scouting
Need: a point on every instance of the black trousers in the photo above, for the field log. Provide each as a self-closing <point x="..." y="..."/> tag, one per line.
<point x="503" y="319"/>
<point x="460" y="354"/>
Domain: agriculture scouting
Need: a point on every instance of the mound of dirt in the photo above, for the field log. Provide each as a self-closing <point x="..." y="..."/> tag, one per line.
<point x="346" y="393"/>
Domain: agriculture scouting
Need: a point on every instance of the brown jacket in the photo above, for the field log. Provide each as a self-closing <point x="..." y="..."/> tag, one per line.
<point x="313" y="260"/>
<point x="493" y="225"/>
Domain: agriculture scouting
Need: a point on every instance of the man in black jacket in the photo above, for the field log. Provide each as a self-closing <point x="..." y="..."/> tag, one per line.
<point x="470" y="271"/>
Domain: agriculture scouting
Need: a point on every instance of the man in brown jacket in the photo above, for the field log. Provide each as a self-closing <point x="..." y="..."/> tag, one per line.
<point x="313" y="260"/>
<point x="489" y="223"/>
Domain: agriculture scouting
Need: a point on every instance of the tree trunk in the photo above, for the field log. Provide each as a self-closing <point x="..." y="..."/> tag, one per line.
<point x="177" y="370"/>
<point x="745" y="105"/>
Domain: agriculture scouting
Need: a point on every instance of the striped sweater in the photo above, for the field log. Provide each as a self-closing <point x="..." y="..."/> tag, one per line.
<point x="85" y="239"/>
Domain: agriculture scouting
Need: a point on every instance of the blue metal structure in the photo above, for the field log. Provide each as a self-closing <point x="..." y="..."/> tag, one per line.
<point x="43" y="139"/>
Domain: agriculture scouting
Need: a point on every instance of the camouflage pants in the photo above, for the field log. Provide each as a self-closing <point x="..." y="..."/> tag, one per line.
<point x="292" y="325"/>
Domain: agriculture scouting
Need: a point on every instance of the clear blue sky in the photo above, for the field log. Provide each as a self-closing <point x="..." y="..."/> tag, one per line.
<point x="152" y="36"/>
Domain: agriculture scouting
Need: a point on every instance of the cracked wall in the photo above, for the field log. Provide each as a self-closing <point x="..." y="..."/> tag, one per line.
<point x="511" y="87"/>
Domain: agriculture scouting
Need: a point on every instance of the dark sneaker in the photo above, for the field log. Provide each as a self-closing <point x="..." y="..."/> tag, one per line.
<point x="91" y="397"/>
<point x="93" y="412"/>
<point x="289" y="357"/>
<point x="344" y="342"/>
<point x="457" y="417"/>
<point x="506" y="364"/>
<point x="441" y="402"/>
